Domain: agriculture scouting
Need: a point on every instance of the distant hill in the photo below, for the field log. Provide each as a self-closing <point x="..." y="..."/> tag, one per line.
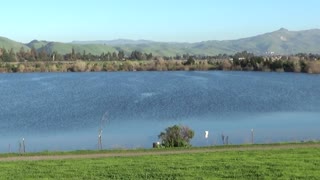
<point x="281" y="41"/>
<point x="37" y="44"/>
<point x="10" y="44"/>
<point x="64" y="48"/>
<point x="114" y="42"/>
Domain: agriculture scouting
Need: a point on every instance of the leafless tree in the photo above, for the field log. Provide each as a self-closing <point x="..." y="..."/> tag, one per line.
<point x="103" y="122"/>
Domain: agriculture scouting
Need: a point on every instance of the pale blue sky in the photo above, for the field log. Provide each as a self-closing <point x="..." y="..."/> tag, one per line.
<point x="159" y="20"/>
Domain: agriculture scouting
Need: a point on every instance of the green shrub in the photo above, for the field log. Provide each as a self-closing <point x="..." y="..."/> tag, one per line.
<point x="176" y="136"/>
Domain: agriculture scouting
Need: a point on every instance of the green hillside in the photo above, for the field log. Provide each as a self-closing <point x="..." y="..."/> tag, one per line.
<point x="173" y="49"/>
<point x="278" y="42"/>
<point x="10" y="44"/>
<point x="37" y="44"/>
<point x="281" y="41"/>
<point x="64" y="48"/>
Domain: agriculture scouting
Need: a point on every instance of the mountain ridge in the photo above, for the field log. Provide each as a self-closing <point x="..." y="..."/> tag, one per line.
<point x="281" y="41"/>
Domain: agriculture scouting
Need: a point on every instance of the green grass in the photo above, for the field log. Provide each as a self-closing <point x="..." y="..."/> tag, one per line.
<point x="295" y="163"/>
<point x="79" y="152"/>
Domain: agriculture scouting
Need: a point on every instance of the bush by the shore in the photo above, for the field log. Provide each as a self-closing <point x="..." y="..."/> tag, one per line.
<point x="312" y="67"/>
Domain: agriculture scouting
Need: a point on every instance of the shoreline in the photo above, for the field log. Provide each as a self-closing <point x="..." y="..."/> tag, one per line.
<point x="51" y="155"/>
<point x="144" y="66"/>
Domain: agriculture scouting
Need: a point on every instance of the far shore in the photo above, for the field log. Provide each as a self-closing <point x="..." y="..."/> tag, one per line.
<point x="310" y="67"/>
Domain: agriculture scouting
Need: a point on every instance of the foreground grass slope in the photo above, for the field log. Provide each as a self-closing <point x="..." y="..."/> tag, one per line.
<point x="295" y="163"/>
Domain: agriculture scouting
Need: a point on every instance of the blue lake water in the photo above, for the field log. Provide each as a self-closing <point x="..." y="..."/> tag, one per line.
<point x="62" y="111"/>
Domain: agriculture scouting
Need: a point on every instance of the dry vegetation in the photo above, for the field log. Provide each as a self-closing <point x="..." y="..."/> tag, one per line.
<point x="159" y="64"/>
<point x="96" y="66"/>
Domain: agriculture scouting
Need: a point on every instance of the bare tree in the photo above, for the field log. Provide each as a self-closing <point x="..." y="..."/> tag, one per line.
<point x="103" y="122"/>
<point x="22" y="146"/>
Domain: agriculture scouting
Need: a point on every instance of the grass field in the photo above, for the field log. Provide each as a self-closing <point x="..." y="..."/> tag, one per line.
<point x="234" y="163"/>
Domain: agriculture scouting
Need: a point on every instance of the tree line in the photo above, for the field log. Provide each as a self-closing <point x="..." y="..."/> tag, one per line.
<point x="308" y="63"/>
<point x="42" y="55"/>
<point x="41" y="61"/>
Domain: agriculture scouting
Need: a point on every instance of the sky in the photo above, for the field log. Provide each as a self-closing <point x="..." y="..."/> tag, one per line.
<point x="157" y="20"/>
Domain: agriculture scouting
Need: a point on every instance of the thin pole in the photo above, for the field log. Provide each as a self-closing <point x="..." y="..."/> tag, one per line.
<point x="23" y="146"/>
<point x="252" y="136"/>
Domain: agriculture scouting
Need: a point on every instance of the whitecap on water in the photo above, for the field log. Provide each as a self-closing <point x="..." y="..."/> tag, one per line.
<point x="144" y="96"/>
<point x="147" y="94"/>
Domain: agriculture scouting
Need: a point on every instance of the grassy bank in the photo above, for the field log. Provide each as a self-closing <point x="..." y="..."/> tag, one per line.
<point x="178" y="149"/>
<point x="235" y="163"/>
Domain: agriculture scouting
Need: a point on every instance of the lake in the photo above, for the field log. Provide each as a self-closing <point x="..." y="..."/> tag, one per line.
<point x="62" y="111"/>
